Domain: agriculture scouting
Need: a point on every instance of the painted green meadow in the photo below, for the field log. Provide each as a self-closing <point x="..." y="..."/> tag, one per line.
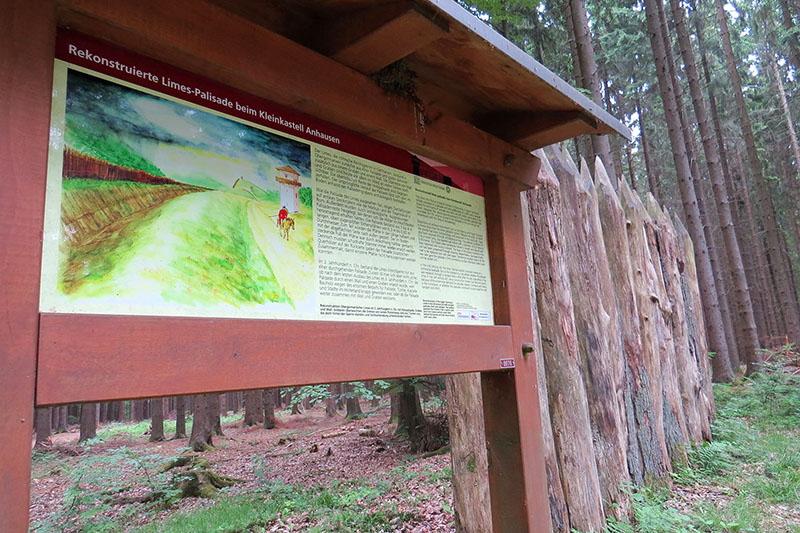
<point x="191" y="250"/>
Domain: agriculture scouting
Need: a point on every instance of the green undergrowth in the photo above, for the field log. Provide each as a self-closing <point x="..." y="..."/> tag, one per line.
<point x="134" y="430"/>
<point x="383" y="502"/>
<point x="346" y="506"/>
<point x="353" y="506"/>
<point x="98" y="484"/>
<point x="748" y="478"/>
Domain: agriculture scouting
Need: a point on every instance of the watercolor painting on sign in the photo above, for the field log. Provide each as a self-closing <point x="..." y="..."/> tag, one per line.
<point x="168" y="205"/>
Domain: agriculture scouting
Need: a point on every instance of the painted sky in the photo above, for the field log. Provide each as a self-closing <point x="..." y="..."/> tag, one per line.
<point x="185" y="143"/>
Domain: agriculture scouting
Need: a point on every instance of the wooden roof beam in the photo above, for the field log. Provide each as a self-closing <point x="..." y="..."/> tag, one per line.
<point x="370" y="39"/>
<point x="324" y="88"/>
<point x="531" y="130"/>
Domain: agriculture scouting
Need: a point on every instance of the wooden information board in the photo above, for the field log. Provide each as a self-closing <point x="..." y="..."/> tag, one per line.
<point x="171" y="195"/>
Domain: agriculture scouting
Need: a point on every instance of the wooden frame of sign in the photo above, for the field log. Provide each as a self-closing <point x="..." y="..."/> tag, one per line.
<point x="62" y="358"/>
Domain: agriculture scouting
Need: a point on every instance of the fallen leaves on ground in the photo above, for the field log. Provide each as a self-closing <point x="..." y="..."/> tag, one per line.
<point x="305" y="450"/>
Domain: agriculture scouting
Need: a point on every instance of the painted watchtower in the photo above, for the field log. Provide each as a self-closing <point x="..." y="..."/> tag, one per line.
<point x="289" y="183"/>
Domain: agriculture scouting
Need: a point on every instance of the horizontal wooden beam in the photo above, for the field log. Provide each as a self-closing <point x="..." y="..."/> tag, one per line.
<point x="373" y="38"/>
<point x="87" y="358"/>
<point x="531" y="130"/>
<point x="218" y="44"/>
<point x="290" y="19"/>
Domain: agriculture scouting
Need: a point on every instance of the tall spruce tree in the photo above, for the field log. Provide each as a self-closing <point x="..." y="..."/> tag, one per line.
<point x="781" y="274"/>
<point x="745" y="320"/>
<point x="721" y="362"/>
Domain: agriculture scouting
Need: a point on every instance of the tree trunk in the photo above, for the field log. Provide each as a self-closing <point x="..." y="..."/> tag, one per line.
<point x="707" y="215"/>
<point x="652" y="177"/>
<point x="631" y="172"/>
<point x="253" y="408"/>
<point x="410" y="420"/>
<point x="232" y="400"/>
<point x="744" y="321"/>
<point x="613" y="140"/>
<point x="589" y="75"/>
<point x="468" y="453"/>
<point x="88" y="422"/>
<point x="707" y="210"/>
<point x="647" y="448"/>
<point x="793" y="53"/>
<point x="222" y="404"/>
<point x="62" y="418"/>
<point x="180" y="417"/>
<point x="598" y="336"/>
<point x="768" y="295"/>
<point x="394" y="412"/>
<point x="43" y="424"/>
<point x="290" y="400"/>
<point x="139" y="410"/>
<point x="738" y="225"/>
<point x="569" y="411"/>
<point x="287" y="397"/>
<point x="376" y="401"/>
<point x="157" y="419"/>
<point x="722" y="370"/>
<point x="785" y="290"/>
<point x="791" y="181"/>
<point x="786" y="113"/>
<point x="269" y="408"/>
<point x="204" y="412"/>
<point x="351" y="402"/>
<point x="214" y="409"/>
<point x="582" y="143"/>
<point x="330" y="401"/>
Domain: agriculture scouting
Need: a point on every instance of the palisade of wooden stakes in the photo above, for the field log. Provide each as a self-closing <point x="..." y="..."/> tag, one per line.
<point x="625" y="378"/>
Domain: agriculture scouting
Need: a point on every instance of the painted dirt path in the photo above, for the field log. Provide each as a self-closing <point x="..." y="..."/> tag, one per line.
<point x="292" y="265"/>
<point x="193" y="251"/>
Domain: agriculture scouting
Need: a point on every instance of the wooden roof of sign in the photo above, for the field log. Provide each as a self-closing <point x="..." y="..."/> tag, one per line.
<point x="459" y="64"/>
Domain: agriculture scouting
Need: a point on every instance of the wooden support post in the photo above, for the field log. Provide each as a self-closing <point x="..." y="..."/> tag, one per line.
<point x="517" y="478"/>
<point x="26" y="62"/>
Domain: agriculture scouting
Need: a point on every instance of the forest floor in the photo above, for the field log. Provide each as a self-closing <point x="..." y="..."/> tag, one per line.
<point x="319" y="474"/>
<point x="311" y="473"/>
<point x="748" y="478"/>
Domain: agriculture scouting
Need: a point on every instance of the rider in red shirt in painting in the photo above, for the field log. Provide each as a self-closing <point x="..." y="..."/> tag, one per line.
<point x="282" y="214"/>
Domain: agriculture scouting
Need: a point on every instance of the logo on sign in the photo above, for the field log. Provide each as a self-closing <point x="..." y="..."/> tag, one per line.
<point x="507" y="363"/>
<point x="468" y="314"/>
